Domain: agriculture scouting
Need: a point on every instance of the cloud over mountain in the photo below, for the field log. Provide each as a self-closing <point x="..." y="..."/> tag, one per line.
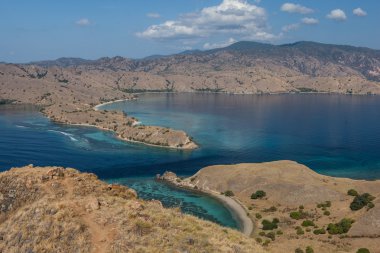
<point x="230" y="18"/>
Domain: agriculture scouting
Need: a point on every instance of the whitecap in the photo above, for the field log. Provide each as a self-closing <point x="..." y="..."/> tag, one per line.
<point x="65" y="134"/>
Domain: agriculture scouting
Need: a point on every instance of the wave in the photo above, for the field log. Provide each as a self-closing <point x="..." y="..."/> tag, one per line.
<point x="65" y="134"/>
<point x="21" y="126"/>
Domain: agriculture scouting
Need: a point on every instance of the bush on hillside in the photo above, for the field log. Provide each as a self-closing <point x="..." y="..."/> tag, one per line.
<point x="298" y="215"/>
<point x="361" y="201"/>
<point x="341" y="227"/>
<point x="363" y="250"/>
<point x="352" y="192"/>
<point x="267" y="225"/>
<point x="229" y="193"/>
<point x="308" y="223"/>
<point x="258" y="194"/>
<point x="309" y="249"/>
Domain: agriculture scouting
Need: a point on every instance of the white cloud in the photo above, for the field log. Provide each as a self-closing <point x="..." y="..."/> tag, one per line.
<point x="83" y="22"/>
<point x="337" y="14"/>
<point x="153" y="15"/>
<point x="359" y="12"/>
<point x="230" y="41"/>
<point x="236" y="18"/>
<point x="310" y="21"/>
<point x="296" y="8"/>
<point x="290" y="27"/>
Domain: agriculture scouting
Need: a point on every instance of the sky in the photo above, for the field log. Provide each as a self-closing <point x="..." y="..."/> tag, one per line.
<point x="32" y="30"/>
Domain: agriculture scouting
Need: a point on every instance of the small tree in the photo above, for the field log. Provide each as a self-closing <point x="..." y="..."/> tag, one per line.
<point x="258" y="194"/>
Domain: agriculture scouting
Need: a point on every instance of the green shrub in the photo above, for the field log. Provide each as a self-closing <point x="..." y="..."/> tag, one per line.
<point x="298" y="215"/>
<point x="363" y="250"/>
<point x="298" y="250"/>
<point x="271" y="235"/>
<point x="324" y="205"/>
<point x="308" y="223"/>
<point x="266" y="243"/>
<point x="259" y="240"/>
<point x="327" y="213"/>
<point x="279" y="232"/>
<point x="262" y="233"/>
<point x="370" y="205"/>
<point x="341" y="227"/>
<point x="301" y="207"/>
<point x="300" y="231"/>
<point x="352" y="192"/>
<point x="267" y="225"/>
<point x="258" y="194"/>
<point x="258" y="216"/>
<point x="361" y="201"/>
<point x="320" y="231"/>
<point x="229" y="193"/>
<point x="309" y="249"/>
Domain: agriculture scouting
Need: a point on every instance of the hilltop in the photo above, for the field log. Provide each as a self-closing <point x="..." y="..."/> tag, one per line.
<point x="53" y="209"/>
<point x="292" y="206"/>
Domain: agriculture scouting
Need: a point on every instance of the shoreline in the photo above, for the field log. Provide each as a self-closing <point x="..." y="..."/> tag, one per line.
<point x="237" y="210"/>
<point x="127" y="140"/>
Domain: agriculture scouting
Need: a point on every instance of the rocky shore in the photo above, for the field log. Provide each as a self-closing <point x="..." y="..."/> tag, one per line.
<point x="125" y="127"/>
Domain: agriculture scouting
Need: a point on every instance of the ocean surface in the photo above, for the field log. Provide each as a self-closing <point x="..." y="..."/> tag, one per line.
<point x="336" y="135"/>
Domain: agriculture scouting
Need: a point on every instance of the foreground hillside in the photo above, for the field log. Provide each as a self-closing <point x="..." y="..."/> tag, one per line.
<point x="62" y="210"/>
<point x="294" y="207"/>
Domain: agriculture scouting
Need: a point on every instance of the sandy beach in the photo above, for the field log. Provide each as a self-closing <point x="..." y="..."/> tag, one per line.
<point x="237" y="210"/>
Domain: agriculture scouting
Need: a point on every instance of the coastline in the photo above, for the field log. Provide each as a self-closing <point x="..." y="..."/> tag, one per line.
<point x="238" y="211"/>
<point x="131" y="141"/>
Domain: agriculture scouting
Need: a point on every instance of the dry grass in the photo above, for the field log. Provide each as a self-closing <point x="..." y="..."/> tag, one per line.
<point x="58" y="210"/>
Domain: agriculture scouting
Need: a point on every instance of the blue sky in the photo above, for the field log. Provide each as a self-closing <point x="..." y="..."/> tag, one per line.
<point x="48" y="29"/>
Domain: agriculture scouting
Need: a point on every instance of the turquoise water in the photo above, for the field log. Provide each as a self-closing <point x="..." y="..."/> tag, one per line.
<point x="332" y="134"/>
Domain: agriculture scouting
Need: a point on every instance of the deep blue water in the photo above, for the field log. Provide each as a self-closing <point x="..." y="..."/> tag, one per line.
<point x="333" y="134"/>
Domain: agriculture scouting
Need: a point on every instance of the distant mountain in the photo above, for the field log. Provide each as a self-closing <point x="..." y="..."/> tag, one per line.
<point x="243" y="67"/>
<point x="62" y="62"/>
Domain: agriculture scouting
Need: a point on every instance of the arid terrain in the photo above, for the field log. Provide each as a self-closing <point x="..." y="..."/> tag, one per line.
<point x="53" y="209"/>
<point x="67" y="89"/>
<point x="294" y="207"/>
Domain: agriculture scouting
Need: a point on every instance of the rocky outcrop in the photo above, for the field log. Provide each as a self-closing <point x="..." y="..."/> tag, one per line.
<point x="54" y="209"/>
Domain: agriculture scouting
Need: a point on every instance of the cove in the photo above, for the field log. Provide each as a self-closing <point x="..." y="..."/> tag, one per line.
<point x="335" y="135"/>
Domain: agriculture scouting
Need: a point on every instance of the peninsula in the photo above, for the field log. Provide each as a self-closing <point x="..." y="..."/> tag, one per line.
<point x="293" y="207"/>
<point x="68" y="89"/>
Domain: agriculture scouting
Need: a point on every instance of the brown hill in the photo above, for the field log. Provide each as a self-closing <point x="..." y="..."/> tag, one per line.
<point x="292" y="187"/>
<point x="61" y="210"/>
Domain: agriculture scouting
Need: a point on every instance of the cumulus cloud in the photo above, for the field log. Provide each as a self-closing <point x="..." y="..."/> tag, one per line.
<point x="83" y="22"/>
<point x="310" y="21"/>
<point x="337" y="14"/>
<point x="230" y="41"/>
<point x="296" y="8"/>
<point x="153" y="15"/>
<point x="290" y="27"/>
<point x="359" y="12"/>
<point x="236" y="18"/>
